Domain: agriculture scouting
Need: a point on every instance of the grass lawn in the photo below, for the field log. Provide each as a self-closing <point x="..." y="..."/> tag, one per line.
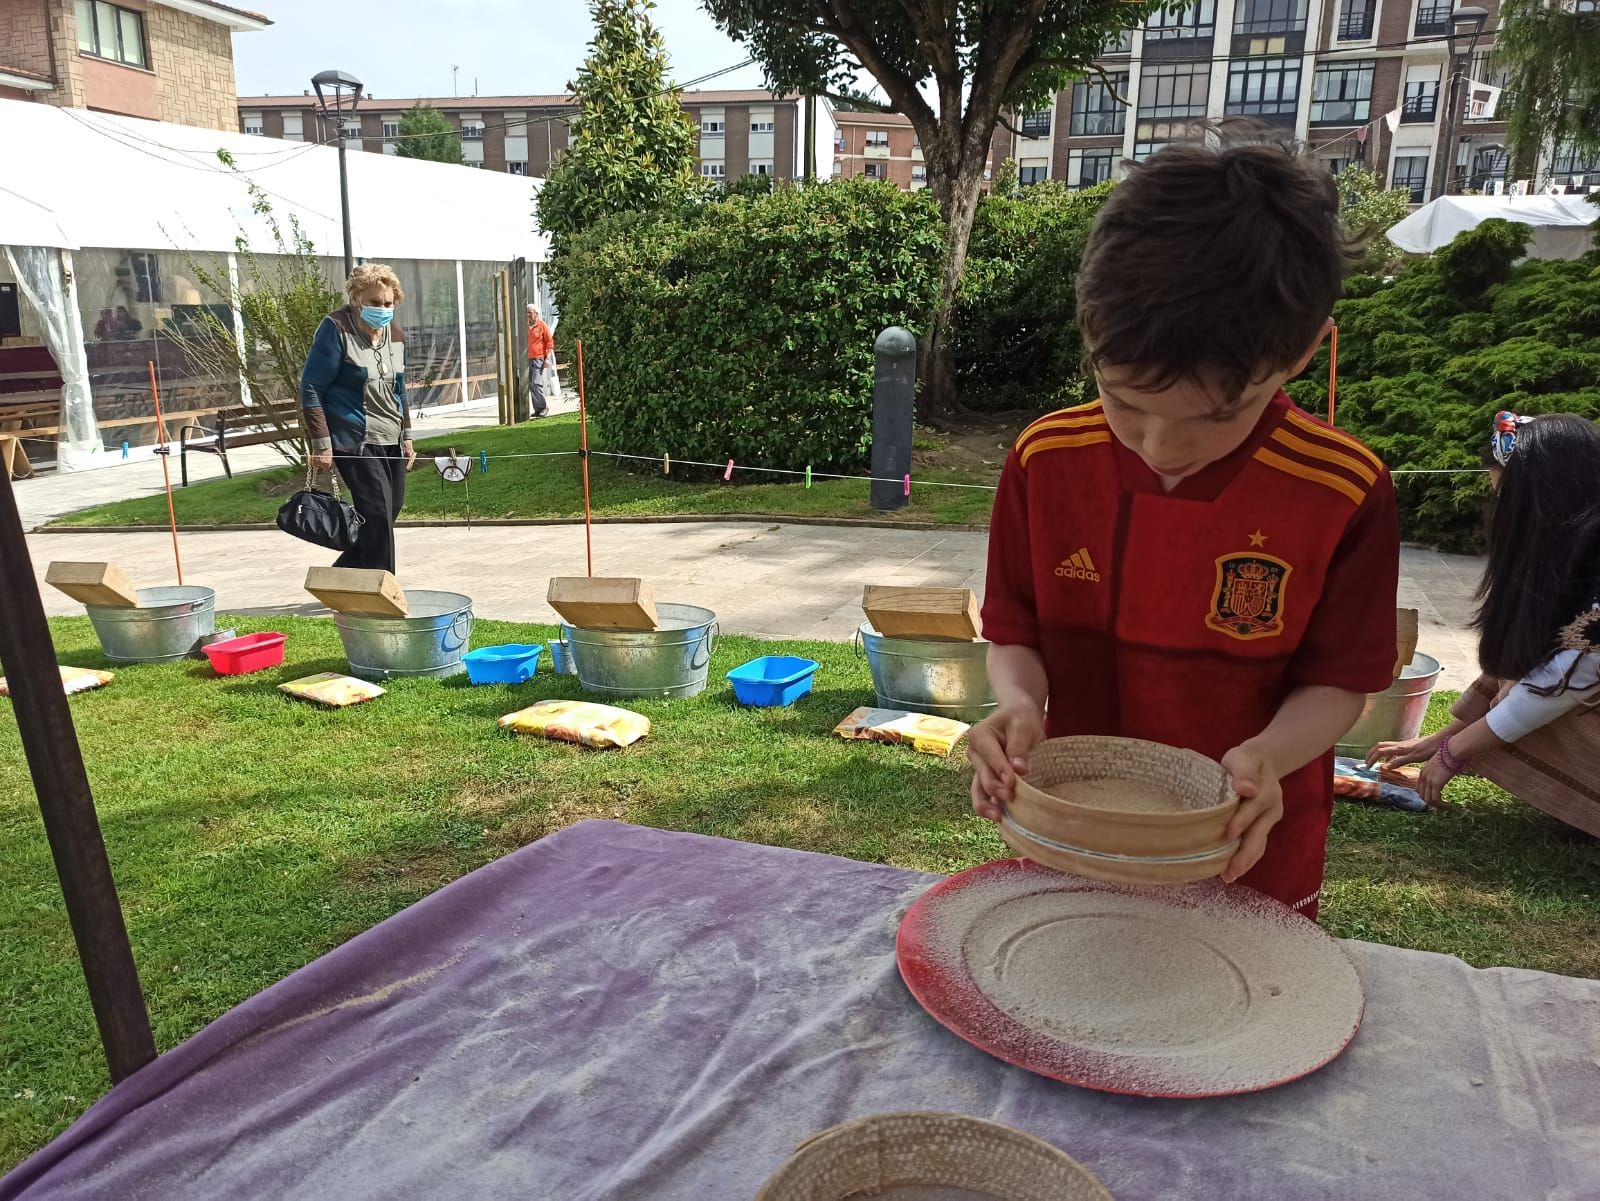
<point x="251" y="833"/>
<point x="553" y="487"/>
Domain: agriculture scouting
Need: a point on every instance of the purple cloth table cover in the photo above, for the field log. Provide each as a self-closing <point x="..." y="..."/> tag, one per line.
<point x="616" y="1012"/>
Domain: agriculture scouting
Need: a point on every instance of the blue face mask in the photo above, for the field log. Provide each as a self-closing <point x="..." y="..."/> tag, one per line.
<point x="377" y="318"/>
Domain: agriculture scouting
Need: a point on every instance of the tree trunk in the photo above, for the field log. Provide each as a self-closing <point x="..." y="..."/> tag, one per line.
<point x="958" y="201"/>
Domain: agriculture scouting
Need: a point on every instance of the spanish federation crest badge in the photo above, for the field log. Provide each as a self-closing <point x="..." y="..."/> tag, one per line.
<point x="1248" y="599"/>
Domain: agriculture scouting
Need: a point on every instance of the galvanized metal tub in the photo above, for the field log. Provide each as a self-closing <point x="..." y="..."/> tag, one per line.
<point x="925" y="675"/>
<point x="428" y="642"/>
<point x="167" y="625"/>
<point x="672" y="660"/>
<point x="1395" y="714"/>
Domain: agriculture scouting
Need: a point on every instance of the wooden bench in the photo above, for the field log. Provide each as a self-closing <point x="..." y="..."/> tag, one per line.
<point x="255" y="425"/>
<point x="20" y="421"/>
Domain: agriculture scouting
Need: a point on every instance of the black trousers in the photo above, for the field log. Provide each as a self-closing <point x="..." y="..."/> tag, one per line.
<point x="377" y="482"/>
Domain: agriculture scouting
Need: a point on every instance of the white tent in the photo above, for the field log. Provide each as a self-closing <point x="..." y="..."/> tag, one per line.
<point x="92" y="206"/>
<point x="1561" y="224"/>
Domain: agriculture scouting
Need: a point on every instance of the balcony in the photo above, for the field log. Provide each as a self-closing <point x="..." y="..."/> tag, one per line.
<point x="1419" y="110"/>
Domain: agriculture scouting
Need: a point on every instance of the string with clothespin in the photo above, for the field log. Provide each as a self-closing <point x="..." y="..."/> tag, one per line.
<point x="457" y="469"/>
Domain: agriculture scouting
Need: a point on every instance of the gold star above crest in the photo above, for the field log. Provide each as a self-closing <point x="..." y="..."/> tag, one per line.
<point x="1258" y="539"/>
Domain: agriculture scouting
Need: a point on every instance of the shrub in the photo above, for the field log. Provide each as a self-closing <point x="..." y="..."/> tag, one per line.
<point x="744" y="328"/>
<point x="1016" y="339"/>
<point x="1427" y="359"/>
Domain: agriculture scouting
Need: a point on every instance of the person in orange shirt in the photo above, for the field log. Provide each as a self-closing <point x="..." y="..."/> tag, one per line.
<point x="541" y="349"/>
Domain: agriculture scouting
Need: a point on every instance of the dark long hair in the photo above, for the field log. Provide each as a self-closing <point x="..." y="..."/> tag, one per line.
<point x="1544" y="545"/>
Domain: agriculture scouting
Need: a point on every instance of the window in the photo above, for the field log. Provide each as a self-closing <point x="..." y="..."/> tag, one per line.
<point x="1263" y="87"/>
<point x="1567" y="167"/>
<point x="1421" y="101"/>
<point x="1118" y="43"/>
<point x="919" y="172"/>
<point x="517" y="168"/>
<point x="1410" y="174"/>
<point x="761" y="166"/>
<point x="838" y="142"/>
<point x="1031" y="173"/>
<point x="106" y="31"/>
<point x="1096" y="109"/>
<point x="146" y="271"/>
<point x="1036" y="125"/>
<point x="1434" y="19"/>
<point x="1489" y="170"/>
<point x="1174" y="90"/>
<point x="712" y="127"/>
<point x="838" y="167"/>
<point x="877" y="139"/>
<point x="472" y="129"/>
<point x="876" y="171"/>
<point x="1144" y="149"/>
<point x="1270" y="16"/>
<point x="391" y="130"/>
<point x="293" y="127"/>
<point x="766" y="126"/>
<point x="714" y="170"/>
<point x="351" y="131"/>
<point x="1199" y="20"/>
<point x="1335" y="165"/>
<point x="252" y="124"/>
<point x="1355" y="19"/>
<point x="1085" y="168"/>
<point x="1341" y="93"/>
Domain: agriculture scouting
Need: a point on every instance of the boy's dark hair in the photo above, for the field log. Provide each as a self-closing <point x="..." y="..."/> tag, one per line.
<point x="1544" y="546"/>
<point x="1217" y="259"/>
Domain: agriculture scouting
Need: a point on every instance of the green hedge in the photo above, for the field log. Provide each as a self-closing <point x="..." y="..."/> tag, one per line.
<point x="1428" y="358"/>
<point x="1016" y="339"/>
<point x="744" y="328"/>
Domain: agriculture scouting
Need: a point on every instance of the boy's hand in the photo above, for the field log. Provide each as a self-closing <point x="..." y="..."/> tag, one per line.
<point x="998" y="749"/>
<point x="1260" y="807"/>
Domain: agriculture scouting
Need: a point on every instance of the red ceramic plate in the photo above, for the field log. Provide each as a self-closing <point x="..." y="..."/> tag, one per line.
<point x="1203" y="990"/>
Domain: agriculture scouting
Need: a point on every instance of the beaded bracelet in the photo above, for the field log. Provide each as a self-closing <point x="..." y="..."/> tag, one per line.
<point x="1453" y="763"/>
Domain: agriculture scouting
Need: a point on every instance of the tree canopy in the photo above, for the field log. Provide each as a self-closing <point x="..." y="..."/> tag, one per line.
<point x="1551" y="54"/>
<point x="633" y="146"/>
<point x="425" y="134"/>
<point x="953" y="68"/>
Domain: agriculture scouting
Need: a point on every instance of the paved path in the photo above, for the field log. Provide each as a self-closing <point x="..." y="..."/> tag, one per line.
<point x="764" y="579"/>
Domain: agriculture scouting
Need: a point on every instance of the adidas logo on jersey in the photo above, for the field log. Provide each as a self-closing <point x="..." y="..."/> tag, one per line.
<point x="1079" y="567"/>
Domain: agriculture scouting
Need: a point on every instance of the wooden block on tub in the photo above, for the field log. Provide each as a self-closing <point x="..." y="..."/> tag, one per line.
<point x="1405" y="638"/>
<point x="946" y="614"/>
<point x="359" y="591"/>
<point x="618" y="603"/>
<point x="93" y="584"/>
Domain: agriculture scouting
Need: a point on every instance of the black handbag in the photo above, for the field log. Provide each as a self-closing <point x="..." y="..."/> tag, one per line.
<point x="321" y="517"/>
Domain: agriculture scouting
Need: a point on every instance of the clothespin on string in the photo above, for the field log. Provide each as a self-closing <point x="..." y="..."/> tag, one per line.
<point x="808" y="475"/>
<point x="908" y="484"/>
<point x="728" y="474"/>
<point x="666" y="464"/>
<point x="483" y="462"/>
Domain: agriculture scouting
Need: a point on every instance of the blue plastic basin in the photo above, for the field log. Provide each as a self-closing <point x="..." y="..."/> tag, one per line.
<point x="772" y="680"/>
<point x="512" y="663"/>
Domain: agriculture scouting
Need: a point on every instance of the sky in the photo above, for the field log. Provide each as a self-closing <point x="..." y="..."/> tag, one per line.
<point x="406" y="48"/>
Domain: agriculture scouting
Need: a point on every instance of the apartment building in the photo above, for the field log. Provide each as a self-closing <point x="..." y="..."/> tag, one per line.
<point x="885" y="146"/>
<point x="740" y="132"/>
<point x="165" y="60"/>
<point x="1362" y="82"/>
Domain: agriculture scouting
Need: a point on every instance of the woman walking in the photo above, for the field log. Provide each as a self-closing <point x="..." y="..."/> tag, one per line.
<point x="353" y="408"/>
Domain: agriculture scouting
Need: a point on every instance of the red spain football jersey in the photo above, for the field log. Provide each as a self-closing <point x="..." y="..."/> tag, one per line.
<point x="1187" y="617"/>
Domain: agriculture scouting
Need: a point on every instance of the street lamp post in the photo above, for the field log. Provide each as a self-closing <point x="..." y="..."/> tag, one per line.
<point x="332" y="87"/>
<point x="1466" y="26"/>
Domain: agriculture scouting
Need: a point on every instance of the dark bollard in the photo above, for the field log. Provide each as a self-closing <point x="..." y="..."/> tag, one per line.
<point x="894" y="398"/>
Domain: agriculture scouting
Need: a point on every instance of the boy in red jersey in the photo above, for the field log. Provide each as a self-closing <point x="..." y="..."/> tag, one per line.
<point x="1192" y="559"/>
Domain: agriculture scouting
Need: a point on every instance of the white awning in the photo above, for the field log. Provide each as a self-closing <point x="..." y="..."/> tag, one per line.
<point x="1560" y="223"/>
<point x="82" y="179"/>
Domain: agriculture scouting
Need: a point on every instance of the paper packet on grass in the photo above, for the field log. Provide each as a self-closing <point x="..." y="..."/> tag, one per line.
<point x="331" y="689"/>
<point x="583" y="722"/>
<point x="928" y="734"/>
<point x="73" y="679"/>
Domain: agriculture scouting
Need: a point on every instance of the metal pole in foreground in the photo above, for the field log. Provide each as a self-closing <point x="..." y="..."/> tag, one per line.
<point x="344" y="209"/>
<point x="65" y="802"/>
<point x="894" y="398"/>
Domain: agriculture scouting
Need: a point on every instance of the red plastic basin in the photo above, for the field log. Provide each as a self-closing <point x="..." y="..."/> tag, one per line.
<point x="238" y="656"/>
